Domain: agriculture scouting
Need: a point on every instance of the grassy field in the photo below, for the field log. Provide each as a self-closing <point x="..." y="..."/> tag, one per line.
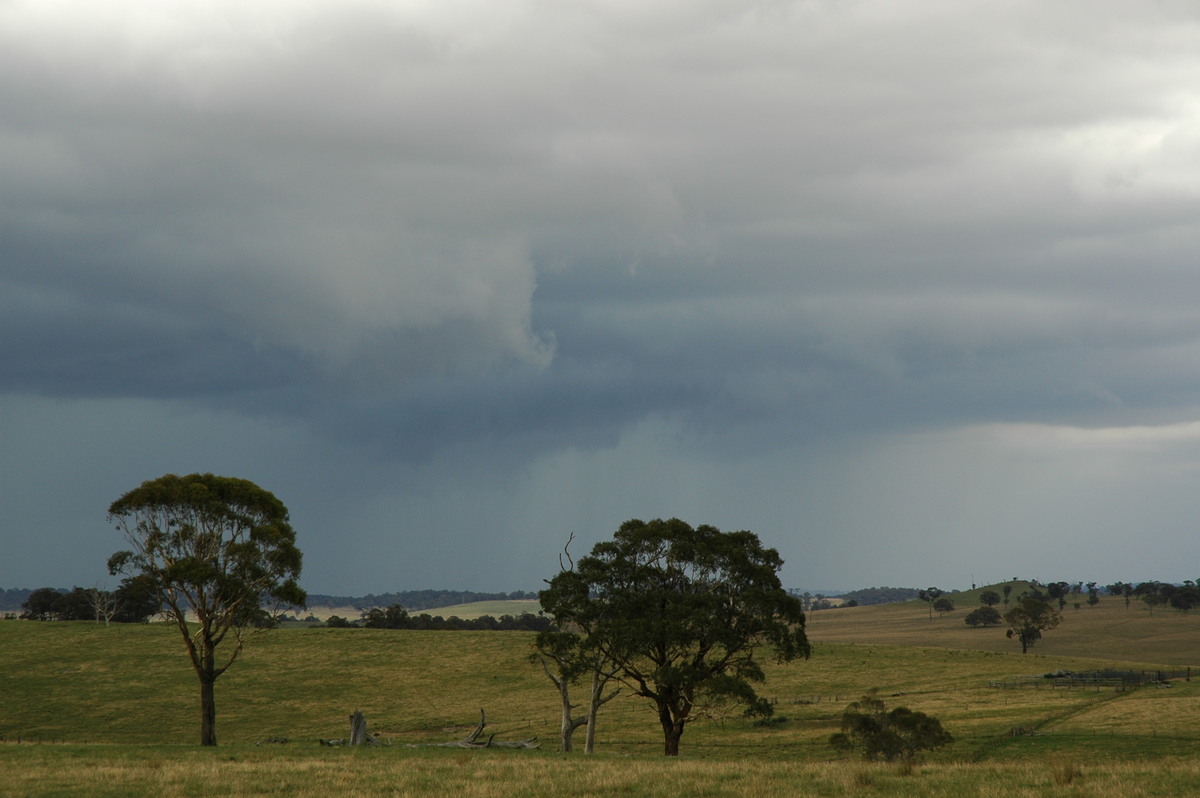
<point x="114" y="711"/>
<point x="476" y="609"/>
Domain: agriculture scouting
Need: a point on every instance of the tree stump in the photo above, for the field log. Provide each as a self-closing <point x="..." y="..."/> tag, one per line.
<point x="358" y="733"/>
<point x="358" y="729"/>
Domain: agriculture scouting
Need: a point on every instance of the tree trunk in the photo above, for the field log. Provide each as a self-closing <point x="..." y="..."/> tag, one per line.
<point x="208" y="710"/>
<point x="568" y="725"/>
<point x="589" y="736"/>
<point x="672" y="730"/>
<point x="596" y="699"/>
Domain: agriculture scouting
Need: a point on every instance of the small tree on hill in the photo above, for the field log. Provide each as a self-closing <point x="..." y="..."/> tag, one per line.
<point x="929" y="595"/>
<point x="1151" y="593"/>
<point x="1058" y="591"/>
<point x="1029" y="619"/>
<point x="869" y="728"/>
<point x="989" y="597"/>
<point x="944" y="605"/>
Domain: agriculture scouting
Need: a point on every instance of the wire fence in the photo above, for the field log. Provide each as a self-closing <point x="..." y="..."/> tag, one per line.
<point x="1119" y="681"/>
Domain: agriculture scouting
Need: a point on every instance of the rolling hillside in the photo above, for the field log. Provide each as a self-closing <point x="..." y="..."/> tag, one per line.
<point x="1107" y="630"/>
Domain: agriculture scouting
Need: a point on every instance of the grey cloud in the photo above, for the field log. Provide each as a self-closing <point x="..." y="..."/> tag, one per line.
<point x="423" y="245"/>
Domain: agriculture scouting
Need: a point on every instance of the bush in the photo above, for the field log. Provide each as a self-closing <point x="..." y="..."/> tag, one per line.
<point x="984" y="616"/>
<point x="869" y="728"/>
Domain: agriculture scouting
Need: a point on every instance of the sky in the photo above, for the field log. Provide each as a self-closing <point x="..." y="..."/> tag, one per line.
<point x="907" y="289"/>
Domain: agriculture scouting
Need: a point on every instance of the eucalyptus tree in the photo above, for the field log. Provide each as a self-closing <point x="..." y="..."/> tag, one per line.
<point x="681" y="614"/>
<point x="213" y="550"/>
<point x="1029" y="619"/>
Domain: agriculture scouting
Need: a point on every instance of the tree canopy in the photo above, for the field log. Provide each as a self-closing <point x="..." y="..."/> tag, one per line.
<point x="681" y="613"/>
<point x="213" y="550"/>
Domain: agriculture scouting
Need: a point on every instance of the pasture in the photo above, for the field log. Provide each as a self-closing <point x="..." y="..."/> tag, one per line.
<point x="113" y="711"/>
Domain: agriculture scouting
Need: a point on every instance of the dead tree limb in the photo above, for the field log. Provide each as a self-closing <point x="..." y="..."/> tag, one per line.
<point x="472" y="739"/>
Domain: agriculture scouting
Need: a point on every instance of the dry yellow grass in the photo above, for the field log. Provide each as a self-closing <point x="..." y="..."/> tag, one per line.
<point x="392" y="772"/>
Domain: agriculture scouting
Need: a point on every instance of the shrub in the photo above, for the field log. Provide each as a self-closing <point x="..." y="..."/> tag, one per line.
<point x="869" y="728"/>
<point x="983" y="616"/>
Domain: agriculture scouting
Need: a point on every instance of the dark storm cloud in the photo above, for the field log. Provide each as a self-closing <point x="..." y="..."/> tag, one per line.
<point x="501" y="270"/>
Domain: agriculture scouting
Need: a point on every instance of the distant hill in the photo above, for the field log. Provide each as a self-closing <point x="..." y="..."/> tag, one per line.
<point x="11" y="599"/>
<point x="1107" y="631"/>
<point x="880" y="595"/>
<point x="415" y="600"/>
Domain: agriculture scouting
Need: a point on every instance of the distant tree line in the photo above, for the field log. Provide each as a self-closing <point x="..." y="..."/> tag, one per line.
<point x="1182" y="597"/>
<point x="396" y="617"/>
<point x="132" y="602"/>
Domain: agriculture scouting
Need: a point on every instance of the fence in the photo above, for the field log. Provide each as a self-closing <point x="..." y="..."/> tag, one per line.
<point x="1092" y="680"/>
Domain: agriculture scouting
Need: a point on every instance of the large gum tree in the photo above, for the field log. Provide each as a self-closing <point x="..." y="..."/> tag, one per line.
<point x="682" y="613"/>
<point x="214" y="550"/>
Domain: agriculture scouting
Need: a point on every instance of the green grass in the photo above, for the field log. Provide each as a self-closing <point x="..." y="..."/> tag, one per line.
<point x="114" y="711"/>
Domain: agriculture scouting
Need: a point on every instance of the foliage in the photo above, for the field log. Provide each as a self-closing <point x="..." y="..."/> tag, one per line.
<point x="682" y="613"/>
<point x="983" y="616"/>
<point x="869" y="728"/>
<point x="213" y="549"/>
<point x="944" y="605"/>
<point x="136" y="600"/>
<point x="989" y="597"/>
<point x="1029" y="619"/>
